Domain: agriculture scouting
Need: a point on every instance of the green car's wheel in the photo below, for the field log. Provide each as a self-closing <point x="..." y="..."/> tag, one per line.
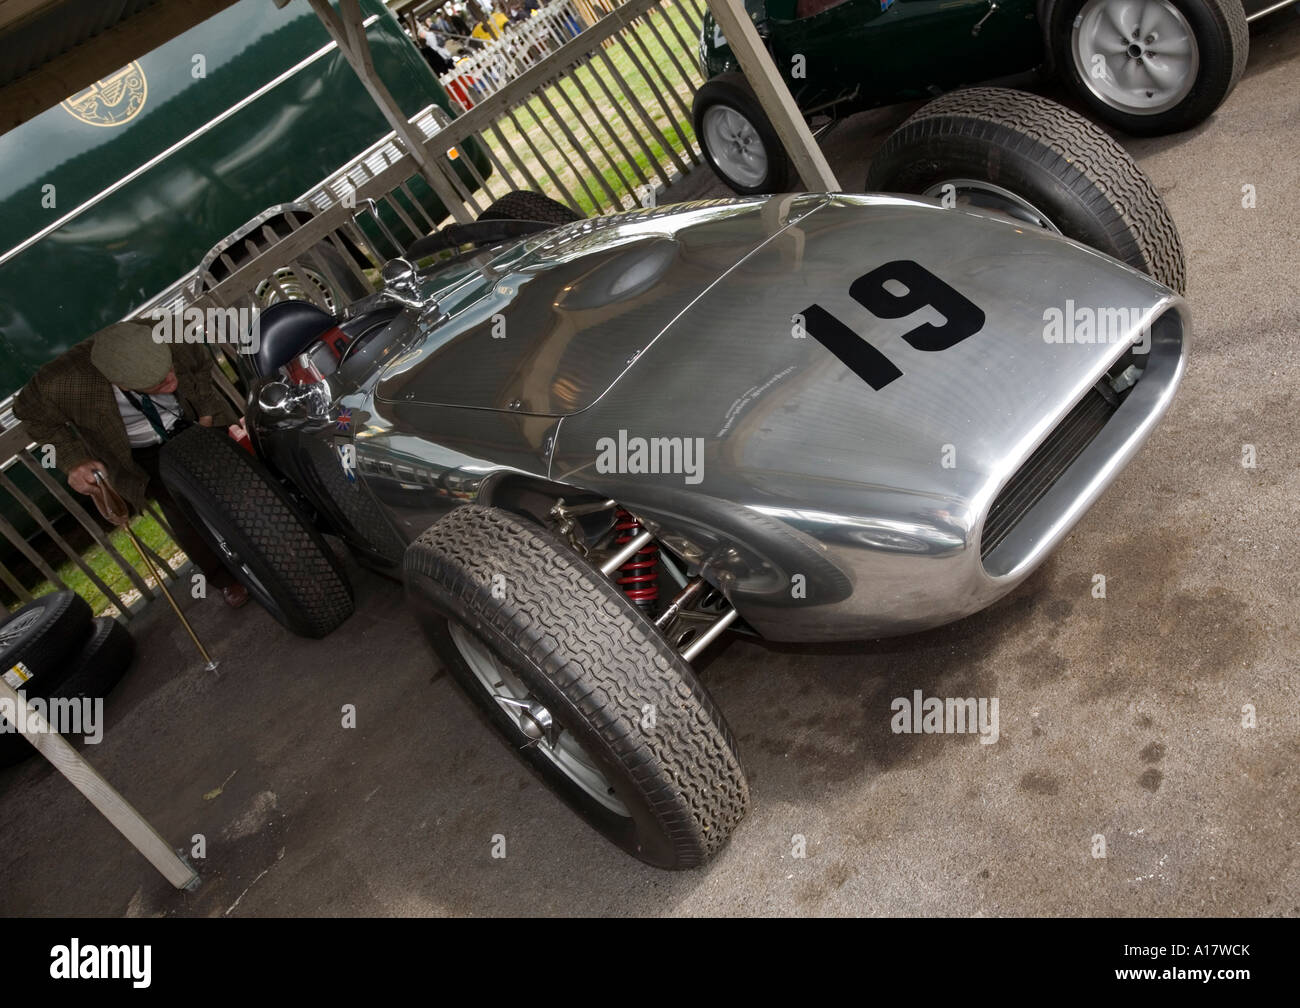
<point x="1026" y="157"/>
<point x="1150" y="67"/>
<point x="737" y="138"/>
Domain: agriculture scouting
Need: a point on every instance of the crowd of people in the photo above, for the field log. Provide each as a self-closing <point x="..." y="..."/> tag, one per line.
<point x="466" y="24"/>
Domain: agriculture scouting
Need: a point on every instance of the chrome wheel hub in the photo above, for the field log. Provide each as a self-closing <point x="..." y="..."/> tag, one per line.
<point x="1137" y="56"/>
<point x="535" y="721"/>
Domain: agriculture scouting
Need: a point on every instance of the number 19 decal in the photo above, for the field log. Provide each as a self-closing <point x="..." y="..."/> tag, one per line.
<point x="961" y="319"/>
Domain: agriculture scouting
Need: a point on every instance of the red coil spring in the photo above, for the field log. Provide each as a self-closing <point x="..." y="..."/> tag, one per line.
<point x="639" y="577"/>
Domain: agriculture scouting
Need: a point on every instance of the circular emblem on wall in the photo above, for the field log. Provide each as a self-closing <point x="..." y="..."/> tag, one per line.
<point x="115" y="100"/>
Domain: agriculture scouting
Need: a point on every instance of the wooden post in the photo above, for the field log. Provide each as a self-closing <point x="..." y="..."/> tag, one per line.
<point x="773" y="95"/>
<point x="86" y="779"/>
<point x="346" y="28"/>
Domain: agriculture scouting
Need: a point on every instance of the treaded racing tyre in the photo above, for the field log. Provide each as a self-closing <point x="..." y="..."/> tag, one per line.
<point x="93" y="673"/>
<point x="530" y="206"/>
<point x="44" y="636"/>
<point x="1065" y="167"/>
<point x="536" y="636"/>
<point x="737" y="138"/>
<point x="264" y="540"/>
<point x="1212" y="35"/>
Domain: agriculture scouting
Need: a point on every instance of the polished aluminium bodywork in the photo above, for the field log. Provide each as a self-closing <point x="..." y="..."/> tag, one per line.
<point x="683" y="323"/>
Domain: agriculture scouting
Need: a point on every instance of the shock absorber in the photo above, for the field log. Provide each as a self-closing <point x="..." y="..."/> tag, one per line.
<point x="639" y="575"/>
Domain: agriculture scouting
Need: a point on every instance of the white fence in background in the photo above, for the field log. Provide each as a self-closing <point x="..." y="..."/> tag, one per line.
<point x="522" y="44"/>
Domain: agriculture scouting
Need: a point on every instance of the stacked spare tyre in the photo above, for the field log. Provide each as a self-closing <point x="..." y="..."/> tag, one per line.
<point x="54" y="648"/>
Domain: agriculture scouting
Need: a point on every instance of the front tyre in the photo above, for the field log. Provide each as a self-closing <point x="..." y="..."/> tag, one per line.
<point x="579" y="684"/>
<point x="1035" y="161"/>
<point x="1150" y="67"/>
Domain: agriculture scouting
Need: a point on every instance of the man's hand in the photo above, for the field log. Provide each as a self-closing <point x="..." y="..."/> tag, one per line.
<point x="237" y="431"/>
<point x="205" y="421"/>
<point x="82" y="477"/>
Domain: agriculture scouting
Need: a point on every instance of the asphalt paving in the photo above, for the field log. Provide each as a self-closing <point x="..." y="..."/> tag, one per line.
<point x="1127" y="718"/>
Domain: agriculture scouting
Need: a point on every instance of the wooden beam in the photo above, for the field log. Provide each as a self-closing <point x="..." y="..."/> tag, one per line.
<point x="774" y="96"/>
<point x="345" y="27"/>
<point x="106" y="799"/>
<point x="95" y="58"/>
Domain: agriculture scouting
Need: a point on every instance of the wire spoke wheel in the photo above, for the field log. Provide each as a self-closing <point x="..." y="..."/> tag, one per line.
<point x="296" y="283"/>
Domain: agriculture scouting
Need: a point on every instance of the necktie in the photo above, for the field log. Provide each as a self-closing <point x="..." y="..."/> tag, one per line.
<point x="151" y="414"/>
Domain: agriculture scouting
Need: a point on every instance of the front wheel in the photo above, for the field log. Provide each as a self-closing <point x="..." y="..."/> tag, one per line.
<point x="579" y="684"/>
<point x="1150" y="67"/>
<point x="1028" y="158"/>
<point x="737" y="139"/>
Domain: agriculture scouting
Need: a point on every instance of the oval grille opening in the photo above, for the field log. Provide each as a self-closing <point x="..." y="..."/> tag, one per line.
<point x="1044" y="467"/>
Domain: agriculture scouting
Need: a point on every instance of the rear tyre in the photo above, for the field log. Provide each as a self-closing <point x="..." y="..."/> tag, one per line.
<point x="1024" y="156"/>
<point x="737" y="138"/>
<point x="1150" y="67"/>
<point x="260" y="535"/>
<point x="529" y="206"/>
<point x="579" y="684"/>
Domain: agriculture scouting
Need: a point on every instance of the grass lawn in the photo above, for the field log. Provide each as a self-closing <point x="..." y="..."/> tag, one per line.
<point x="538" y="148"/>
<point x="149" y="532"/>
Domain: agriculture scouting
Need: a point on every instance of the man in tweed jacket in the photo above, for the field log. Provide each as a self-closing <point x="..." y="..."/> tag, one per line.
<point x="97" y="423"/>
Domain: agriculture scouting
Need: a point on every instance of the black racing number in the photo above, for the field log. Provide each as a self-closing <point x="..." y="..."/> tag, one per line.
<point x="921" y="288"/>
<point x="962" y="318"/>
<point x="863" y="359"/>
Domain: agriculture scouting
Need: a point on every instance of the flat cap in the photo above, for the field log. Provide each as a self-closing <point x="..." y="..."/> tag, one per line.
<point x="127" y="355"/>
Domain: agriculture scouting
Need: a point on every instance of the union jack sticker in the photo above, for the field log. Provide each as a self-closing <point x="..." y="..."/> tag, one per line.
<point x="344" y="420"/>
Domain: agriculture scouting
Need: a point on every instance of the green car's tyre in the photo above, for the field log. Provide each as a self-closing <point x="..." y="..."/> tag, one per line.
<point x="737" y="138"/>
<point x="1029" y="158"/>
<point x="1150" y="67"/>
<point x="529" y="206"/>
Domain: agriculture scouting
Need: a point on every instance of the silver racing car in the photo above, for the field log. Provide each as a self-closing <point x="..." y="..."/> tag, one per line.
<point x="591" y="448"/>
